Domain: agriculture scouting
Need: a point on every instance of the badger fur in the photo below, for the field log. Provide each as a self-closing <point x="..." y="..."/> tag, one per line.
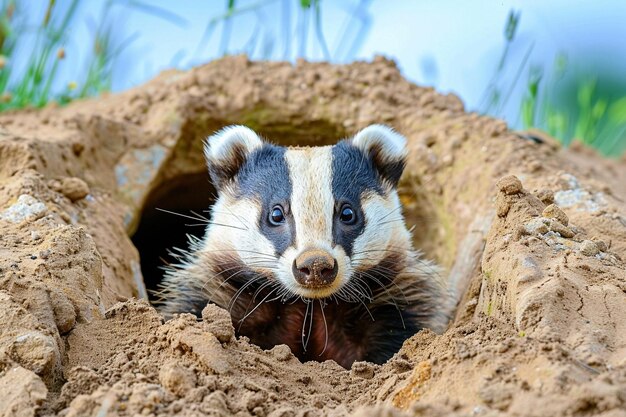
<point x="308" y="247"/>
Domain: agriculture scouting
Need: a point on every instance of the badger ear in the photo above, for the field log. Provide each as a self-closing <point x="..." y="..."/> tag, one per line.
<point x="227" y="150"/>
<point x="386" y="148"/>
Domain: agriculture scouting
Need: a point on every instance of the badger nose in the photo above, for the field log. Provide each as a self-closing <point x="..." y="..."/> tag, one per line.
<point x="314" y="268"/>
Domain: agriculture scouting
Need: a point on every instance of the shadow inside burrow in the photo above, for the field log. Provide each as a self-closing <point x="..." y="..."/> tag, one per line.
<point x="170" y="214"/>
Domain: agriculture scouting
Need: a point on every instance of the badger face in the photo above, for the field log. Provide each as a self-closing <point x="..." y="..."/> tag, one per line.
<point x="308" y="219"/>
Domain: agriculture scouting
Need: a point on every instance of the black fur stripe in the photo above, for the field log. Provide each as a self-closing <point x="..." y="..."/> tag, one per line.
<point x="265" y="178"/>
<point x="353" y="175"/>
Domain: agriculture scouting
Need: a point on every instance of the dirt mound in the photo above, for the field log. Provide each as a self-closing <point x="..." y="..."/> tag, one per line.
<point x="533" y="238"/>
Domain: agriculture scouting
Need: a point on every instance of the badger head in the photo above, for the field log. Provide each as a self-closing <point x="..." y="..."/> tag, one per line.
<point x="308" y="219"/>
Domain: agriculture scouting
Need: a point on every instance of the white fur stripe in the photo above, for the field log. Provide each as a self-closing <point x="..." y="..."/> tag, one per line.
<point x="312" y="201"/>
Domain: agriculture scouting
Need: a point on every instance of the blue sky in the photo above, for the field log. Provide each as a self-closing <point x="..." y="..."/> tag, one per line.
<point x="453" y="45"/>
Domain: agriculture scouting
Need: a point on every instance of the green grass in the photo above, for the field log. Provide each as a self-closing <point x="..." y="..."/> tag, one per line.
<point x="565" y="103"/>
<point x="300" y="25"/>
<point x="36" y="83"/>
<point x="33" y="85"/>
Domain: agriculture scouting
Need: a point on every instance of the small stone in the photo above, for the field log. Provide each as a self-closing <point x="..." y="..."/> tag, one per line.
<point x="401" y="365"/>
<point x="495" y="128"/>
<point x="519" y="232"/>
<point x="554" y="212"/>
<point x="456" y="141"/>
<point x="281" y="352"/>
<point x="536" y="225"/>
<point x="601" y="245"/>
<point x="557" y="227"/>
<point x="589" y="248"/>
<point x="363" y="370"/>
<point x="74" y="188"/>
<point x="26" y="208"/>
<point x="64" y="312"/>
<point x="531" y="271"/>
<point x="176" y="378"/>
<point x="120" y="360"/>
<point x="218" y="321"/>
<point x="509" y="185"/>
<point x="546" y="196"/>
<point x="502" y="205"/>
<point x="447" y="160"/>
<point x="568" y="182"/>
<point x="35" y="351"/>
<point x="21" y="392"/>
<point x="534" y="166"/>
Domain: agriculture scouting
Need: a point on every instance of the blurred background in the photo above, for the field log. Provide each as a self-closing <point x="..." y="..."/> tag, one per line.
<point x="553" y="65"/>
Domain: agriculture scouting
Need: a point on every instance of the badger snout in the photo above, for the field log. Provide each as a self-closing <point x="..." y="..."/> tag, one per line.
<point x="315" y="268"/>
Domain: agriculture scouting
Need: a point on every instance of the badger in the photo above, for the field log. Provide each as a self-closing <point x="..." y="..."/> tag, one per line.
<point x="308" y="247"/>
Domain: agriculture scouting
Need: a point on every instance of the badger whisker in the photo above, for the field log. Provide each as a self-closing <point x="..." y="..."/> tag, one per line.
<point x="233" y="299"/>
<point x="325" y="328"/>
<point x="359" y="293"/>
<point x="367" y="309"/>
<point x="306" y="314"/>
<point x="388" y="249"/>
<point x="367" y="290"/>
<point x="204" y="219"/>
<point x="250" y="282"/>
<point x="258" y="290"/>
<point x="393" y="300"/>
<point x="221" y="274"/>
<point x="399" y="208"/>
<point x="279" y="295"/>
<point x="426" y="269"/>
<point x="268" y="255"/>
<point x="353" y="297"/>
<point x="240" y="218"/>
<point x="400" y="220"/>
<point x="199" y="219"/>
<point x="400" y="251"/>
<point x="311" y="304"/>
<point x="368" y="275"/>
<point x="200" y="216"/>
<point x="255" y="307"/>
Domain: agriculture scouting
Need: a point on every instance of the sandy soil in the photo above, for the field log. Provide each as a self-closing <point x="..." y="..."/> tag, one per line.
<point x="532" y="236"/>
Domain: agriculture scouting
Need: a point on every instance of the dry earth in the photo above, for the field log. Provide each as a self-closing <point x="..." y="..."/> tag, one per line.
<point x="533" y="238"/>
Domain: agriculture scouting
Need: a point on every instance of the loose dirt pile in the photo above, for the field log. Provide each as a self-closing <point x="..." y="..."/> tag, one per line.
<point x="533" y="238"/>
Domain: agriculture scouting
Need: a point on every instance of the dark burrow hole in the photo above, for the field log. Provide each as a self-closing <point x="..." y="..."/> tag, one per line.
<point x="159" y="231"/>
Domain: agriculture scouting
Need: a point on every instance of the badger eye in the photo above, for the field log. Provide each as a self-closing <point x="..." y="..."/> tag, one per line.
<point x="277" y="216"/>
<point x="347" y="215"/>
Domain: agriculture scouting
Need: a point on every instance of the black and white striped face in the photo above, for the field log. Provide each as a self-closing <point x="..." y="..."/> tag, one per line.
<point x="308" y="218"/>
